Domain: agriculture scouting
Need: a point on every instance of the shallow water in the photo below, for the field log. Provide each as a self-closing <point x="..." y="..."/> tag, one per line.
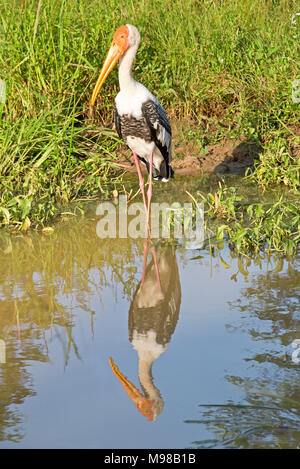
<point x="92" y="358"/>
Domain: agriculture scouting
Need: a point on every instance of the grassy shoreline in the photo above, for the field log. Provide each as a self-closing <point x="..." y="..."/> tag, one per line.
<point x="229" y="66"/>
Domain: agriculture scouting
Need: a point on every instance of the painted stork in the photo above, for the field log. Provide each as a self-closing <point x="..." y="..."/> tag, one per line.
<point x="140" y="119"/>
<point x="152" y="321"/>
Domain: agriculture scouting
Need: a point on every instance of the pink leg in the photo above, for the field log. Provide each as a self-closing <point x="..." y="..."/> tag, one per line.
<point x="155" y="263"/>
<point x="156" y="267"/>
<point x="142" y="187"/>
<point x="149" y="192"/>
<point x="149" y="196"/>
<point x="145" y="259"/>
<point x="147" y="208"/>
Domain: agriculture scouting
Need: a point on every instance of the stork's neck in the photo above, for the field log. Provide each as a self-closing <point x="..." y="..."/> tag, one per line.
<point x="146" y="380"/>
<point x="126" y="80"/>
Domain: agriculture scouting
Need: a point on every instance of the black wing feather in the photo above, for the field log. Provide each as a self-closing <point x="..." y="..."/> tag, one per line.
<point x="155" y="115"/>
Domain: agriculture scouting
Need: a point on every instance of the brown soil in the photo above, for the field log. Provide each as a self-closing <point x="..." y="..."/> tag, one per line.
<point x="229" y="156"/>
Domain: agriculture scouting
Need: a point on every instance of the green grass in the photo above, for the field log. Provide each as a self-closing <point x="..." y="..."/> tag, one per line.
<point x="251" y="227"/>
<point x="227" y="65"/>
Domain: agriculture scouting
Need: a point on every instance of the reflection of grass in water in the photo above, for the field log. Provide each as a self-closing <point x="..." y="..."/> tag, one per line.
<point x="63" y="260"/>
<point x="37" y="269"/>
<point x="291" y="402"/>
<point x="249" y="426"/>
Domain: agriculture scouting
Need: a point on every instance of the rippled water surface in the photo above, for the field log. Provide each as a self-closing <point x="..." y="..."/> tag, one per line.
<point x="202" y="353"/>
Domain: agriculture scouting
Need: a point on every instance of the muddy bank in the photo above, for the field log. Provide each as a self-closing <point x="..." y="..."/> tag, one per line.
<point x="230" y="156"/>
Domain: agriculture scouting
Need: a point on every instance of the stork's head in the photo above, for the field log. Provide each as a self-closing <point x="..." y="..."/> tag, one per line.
<point x="124" y="38"/>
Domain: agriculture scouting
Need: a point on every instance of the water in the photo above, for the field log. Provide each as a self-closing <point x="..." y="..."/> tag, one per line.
<point x="93" y="359"/>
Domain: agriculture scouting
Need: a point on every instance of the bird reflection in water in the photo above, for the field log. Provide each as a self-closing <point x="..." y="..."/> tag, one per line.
<point x="153" y="317"/>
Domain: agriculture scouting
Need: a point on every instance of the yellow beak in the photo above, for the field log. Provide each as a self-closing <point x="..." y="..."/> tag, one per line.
<point x="112" y="58"/>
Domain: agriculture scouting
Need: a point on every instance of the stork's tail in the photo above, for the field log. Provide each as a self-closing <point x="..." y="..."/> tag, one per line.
<point x="165" y="172"/>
